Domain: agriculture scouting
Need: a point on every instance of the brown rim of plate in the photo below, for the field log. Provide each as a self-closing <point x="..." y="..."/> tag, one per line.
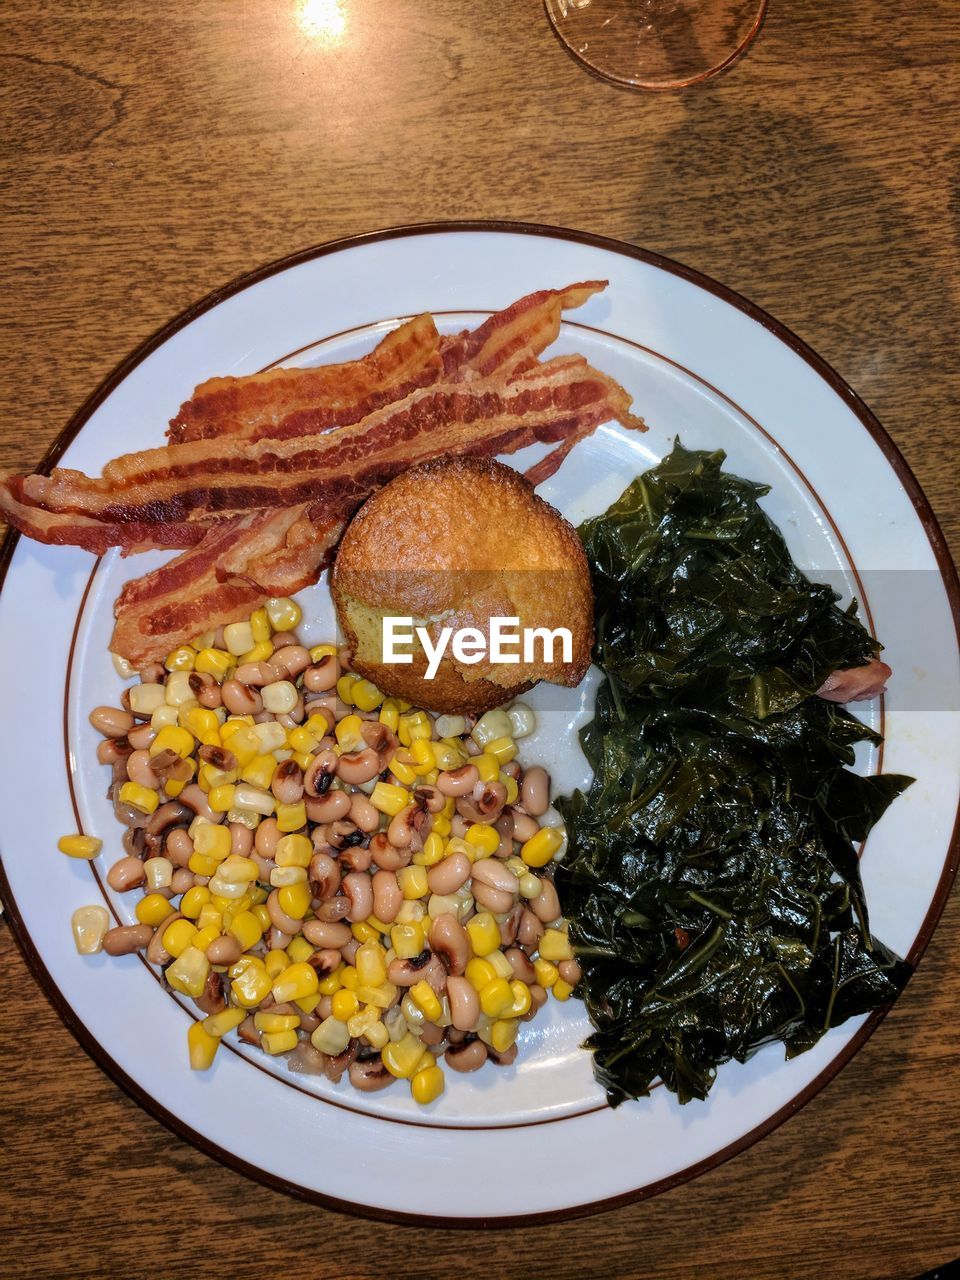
<point x="873" y="428"/>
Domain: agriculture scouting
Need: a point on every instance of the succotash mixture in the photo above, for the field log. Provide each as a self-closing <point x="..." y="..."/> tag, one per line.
<point x="333" y="874"/>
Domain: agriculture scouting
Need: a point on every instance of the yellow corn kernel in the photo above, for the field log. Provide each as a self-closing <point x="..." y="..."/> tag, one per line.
<point x="299" y="949"/>
<point x="242" y="741"/>
<point x="318" y="724"/>
<point x="238" y="638"/>
<point x="330" y="985"/>
<point x="370" y="964"/>
<point x="359" y="1022"/>
<point x="304" y="759"/>
<point x="293" y="851"/>
<point x="259" y="771"/>
<point x="282" y="876"/>
<point x="377" y="1035"/>
<point x="294" y="899"/>
<point x="503" y="750"/>
<point x="181" y="659"/>
<point x="331" y="1036"/>
<point x="407" y="939"/>
<point x="308" y="1003"/>
<point x="421" y="755"/>
<point x="546" y="971"/>
<point x="260" y="626"/>
<point x="344" y="1004"/>
<point x="153" y="909"/>
<point x="425" y="998"/>
<point x="485" y="837"/>
<point x="503" y="1033"/>
<point x="89" y="924"/>
<point x="202" y="723"/>
<point x="143" y="798"/>
<point x="295" y="982"/>
<point x="263" y="915"/>
<point x="86" y="847"/>
<point x="402" y="769"/>
<point x="389" y="799"/>
<point x="426" y="1085"/>
<point x="348" y="734"/>
<point x="562" y="990"/>
<point x="178" y="936"/>
<point x="245" y="927"/>
<point x="188" y="973"/>
<point x="270" y="1021"/>
<point x="348" y="977"/>
<point x="218" y="1024"/>
<point x="276" y="961"/>
<point x="202" y="1047"/>
<point x="413" y="880"/>
<point x="390" y="714"/>
<point x="403" y="1058"/>
<point x="235" y="869"/>
<point x="323" y="651"/>
<point x="262" y="651"/>
<point x="539" y="849"/>
<point x="278" y="1041"/>
<point x="555" y="945"/>
<point x="284" y="614"/>
<point x="345" y="687"/>
<point x="209" y="914"/>
<point x="215" y="662"/>
<point x="488" y="767"/>
<point x="173" y="738"/>
<point x="448" y="755"/>
<point x="212" y="841"/>
<point x="510" y="784"/>
<point x="291" y="817"/>
<point x="479" y="973"/>
<point x="250" y="986"/>
<point x="521" y="999"/>
<point x="220" y="799"/>
<point x="441" y="826"/>
<point x="501" y="965"/>
<point x="301" y="740"/>
<point x="484" y="933"/>
<point x="531" y="886"/>
<point x="202" y="865"/>
<point x="366" y="695"/>
<point x="496" y="997"/>
<point x="203" y="937"/>
<point x="383" y="996"/>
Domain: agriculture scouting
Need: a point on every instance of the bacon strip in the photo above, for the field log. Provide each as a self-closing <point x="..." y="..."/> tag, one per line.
<point x="187" y="482"/>
<point x="56" y="529"/>
<point x="285" y="402"/>
<point x="225" y="577"/>
<point x="510" y="340"/>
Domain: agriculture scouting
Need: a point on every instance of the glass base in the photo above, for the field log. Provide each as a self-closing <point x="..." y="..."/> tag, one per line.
<point x="656" y="44"/>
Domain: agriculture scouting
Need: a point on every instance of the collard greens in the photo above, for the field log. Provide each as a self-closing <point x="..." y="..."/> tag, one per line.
<point x="712" y="883"/>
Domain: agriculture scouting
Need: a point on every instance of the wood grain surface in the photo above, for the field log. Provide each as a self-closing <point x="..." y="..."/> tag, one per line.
<point x="152" y="152"/>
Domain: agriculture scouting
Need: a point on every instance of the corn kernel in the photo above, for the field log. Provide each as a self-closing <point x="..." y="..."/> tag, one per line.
<point x="562" y="990"/>
<point x="260" y="626"/>
<point x="426" y="1085"/>
<point x="153" y="909"/>
<point x="487" y="766"/>
<point x="479" y="973"/>
<point x="402" y="769"/>
<point x="421" y="756"/>
<point x="279" y="697"/>
<point x="250" y="986"/>
<point x="293" y="851"/>
<point x="345" y="687"/>
<point x="301" y="741"/>
<point x="278" y="1041"/>
<point x="390" y="714"/>
<point x="501" y="965"/>
<point x="173" y="738"/>
<point x="348" y="734"/>
<point x="344" y="1004"/>
<point x="202" y="723"/>
<point x="299" y="949"/>
<point x="530" y="885"/>
<point x="547" y="972"/>
<point x="89" y="924"/>
<point x="441" y="825"/>
<point x="178" y="936"/>
<point x="215" y="662"/>
<point x="145" y="699"/>
<point x="281" y="877"/>
<point x="320" y="651"/>
<point x="510" y="786"/>
<point x="259" y="771"/>
<point x="387" y="798"/>
<point x="242" y="741"/>
<point x="366" y="695"/>
<point x="308" y="1003"/>
<point x="403" y="1057"/>
<point x="448" y="755"/>
<point x="331" y="1037"/>
<point x="245" y="927"/>
<point x="188" y="973"/>
<point x="294" y="899"/>
<point x="209" y="913"/>
<point x="370" y="964"/>
<point x="291" y="817"/>
<point x="496" y="997"/>
<point x="254" y="799"/>
<point x="382" y="996"/>
<point x="348" y="977"/>
<point x="176" y="690"/>
<point x="201" y="1046"/>
<point x="503" y="1034"/>
<point x="218" y="1024"/>
<point x="484" y="933"/>
<point x="221" y="799"/>
<point x="284" y="614"/>
<point x="86" y="847"/>
<point x="330" y="985"/>
<point x="212" y="841"/>
<point x="238" y="637"/>
<point x="203" y="937"/>
<point x="143" y="798"/>
<point x="202" y="865"/>
<point x="485" y="837"/>
<point x="271" y="1022"/>
<point x="425" y="998"/>
<point x="262" y="651"/>
<point x="521" y="999"/>
<point x="181" y="659"/>
<point x="413" y="881"/>
<point x="407" y="940"/>
<point x="295" y="982"/>
<point x="502" y="749"/>
<point x="539" y="849"/>
<point x="555" y="945"/>
<point x="276" y="962"/>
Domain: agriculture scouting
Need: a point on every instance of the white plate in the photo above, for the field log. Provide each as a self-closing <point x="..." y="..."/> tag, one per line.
<point x="700" y="362"/>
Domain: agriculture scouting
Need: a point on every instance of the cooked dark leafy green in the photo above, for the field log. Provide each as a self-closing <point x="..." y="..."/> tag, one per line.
<point x="712" y="883"/>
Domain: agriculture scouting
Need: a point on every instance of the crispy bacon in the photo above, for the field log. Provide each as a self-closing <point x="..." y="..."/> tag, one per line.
<point x="98" y="536"/>
<point x="225" y="577"/>
<point x="338" y="469"/>
<point x="286" y="402"/>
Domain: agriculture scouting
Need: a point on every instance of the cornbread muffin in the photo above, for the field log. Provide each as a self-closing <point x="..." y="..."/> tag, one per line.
<point x="452" y="544"/>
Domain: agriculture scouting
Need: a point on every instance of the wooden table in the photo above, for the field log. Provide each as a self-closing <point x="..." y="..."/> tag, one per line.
<point x="153" y="152"/>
